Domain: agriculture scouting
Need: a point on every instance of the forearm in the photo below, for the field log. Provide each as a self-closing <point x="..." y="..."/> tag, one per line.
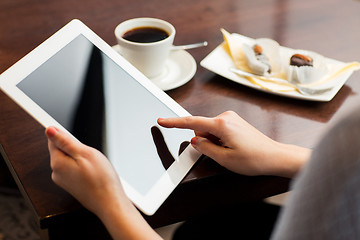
<point x="289" y="159"/>
<point x="123" y="221"/>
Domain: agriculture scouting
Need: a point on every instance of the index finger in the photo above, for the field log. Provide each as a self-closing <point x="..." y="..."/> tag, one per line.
<point x="196" y="123"/>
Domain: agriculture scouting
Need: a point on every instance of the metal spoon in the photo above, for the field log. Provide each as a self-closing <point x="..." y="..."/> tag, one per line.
<point x="190" y="46"/>
<point x="300" y="89"/>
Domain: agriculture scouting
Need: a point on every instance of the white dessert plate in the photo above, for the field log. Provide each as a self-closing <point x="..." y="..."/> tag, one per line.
<point x="219" y="62"/>
<point x="180" y="68"/>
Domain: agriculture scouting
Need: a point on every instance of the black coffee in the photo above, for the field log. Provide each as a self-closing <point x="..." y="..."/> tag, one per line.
<point x="145" y="35"/>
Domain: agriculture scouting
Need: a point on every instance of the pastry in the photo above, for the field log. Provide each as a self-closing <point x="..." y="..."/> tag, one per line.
<point x="300" y="60"/>
<point x="261" y="57"/>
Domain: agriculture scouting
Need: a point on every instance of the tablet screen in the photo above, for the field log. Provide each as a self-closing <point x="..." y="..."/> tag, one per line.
<point x="104" y="107"/>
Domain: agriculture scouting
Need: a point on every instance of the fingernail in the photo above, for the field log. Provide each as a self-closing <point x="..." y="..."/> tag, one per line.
<point x="194" y="140"/>
<point x="51" y="132"/>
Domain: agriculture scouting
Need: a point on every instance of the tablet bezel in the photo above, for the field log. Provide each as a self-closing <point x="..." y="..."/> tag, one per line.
<point x="153" y="199"/>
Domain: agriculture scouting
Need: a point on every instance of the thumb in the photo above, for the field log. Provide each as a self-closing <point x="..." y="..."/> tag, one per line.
<point x="208" y="148"/>
<point x="63" y="141"/>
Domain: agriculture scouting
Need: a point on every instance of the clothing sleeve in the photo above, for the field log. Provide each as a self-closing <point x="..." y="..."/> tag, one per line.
<point x="325" y="198"/>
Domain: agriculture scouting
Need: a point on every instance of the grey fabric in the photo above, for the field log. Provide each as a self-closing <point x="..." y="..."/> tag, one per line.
<point x="325" y="201"/>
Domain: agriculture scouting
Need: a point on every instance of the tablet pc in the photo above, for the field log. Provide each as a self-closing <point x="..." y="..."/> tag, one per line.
<point x="77" y="82"/>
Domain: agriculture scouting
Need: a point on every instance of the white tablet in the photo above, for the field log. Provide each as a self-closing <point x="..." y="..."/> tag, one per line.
<point x="77" y="82"/>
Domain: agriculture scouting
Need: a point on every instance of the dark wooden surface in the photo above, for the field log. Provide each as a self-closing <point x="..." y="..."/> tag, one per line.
<point x="329" y="27"/>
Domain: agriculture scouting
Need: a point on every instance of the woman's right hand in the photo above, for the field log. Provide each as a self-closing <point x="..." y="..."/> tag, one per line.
<point x="238" y="146"/>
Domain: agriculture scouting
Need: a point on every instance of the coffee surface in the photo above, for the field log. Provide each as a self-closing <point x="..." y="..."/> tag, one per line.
<point x="145" y="35"/>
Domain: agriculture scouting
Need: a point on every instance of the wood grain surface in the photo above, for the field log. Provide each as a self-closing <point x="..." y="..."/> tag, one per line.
<point x="329" y="27"/>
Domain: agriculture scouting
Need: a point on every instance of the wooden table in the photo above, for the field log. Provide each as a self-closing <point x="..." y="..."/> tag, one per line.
<point x="329" y="27"/>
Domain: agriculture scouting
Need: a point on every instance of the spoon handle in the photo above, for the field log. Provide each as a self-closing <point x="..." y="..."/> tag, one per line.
<point x="190" y="46"/>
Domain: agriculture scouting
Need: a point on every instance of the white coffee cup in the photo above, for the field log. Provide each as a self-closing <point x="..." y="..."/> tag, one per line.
<point x="147" y="57"/>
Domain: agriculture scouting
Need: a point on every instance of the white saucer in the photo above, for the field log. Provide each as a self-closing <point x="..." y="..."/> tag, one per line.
<point x="180" y="68"/>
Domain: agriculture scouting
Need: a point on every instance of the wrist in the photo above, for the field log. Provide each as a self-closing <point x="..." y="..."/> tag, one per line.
<point x="124" y="221"/>
<point x="289" y="159"/>
<point x="113" y="206"/>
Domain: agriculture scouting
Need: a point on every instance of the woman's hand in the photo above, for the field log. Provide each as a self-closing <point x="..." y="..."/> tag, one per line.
<point x="83" y="171"/>
<point x="89" y="176"/>
<point x="238" y="146"/>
